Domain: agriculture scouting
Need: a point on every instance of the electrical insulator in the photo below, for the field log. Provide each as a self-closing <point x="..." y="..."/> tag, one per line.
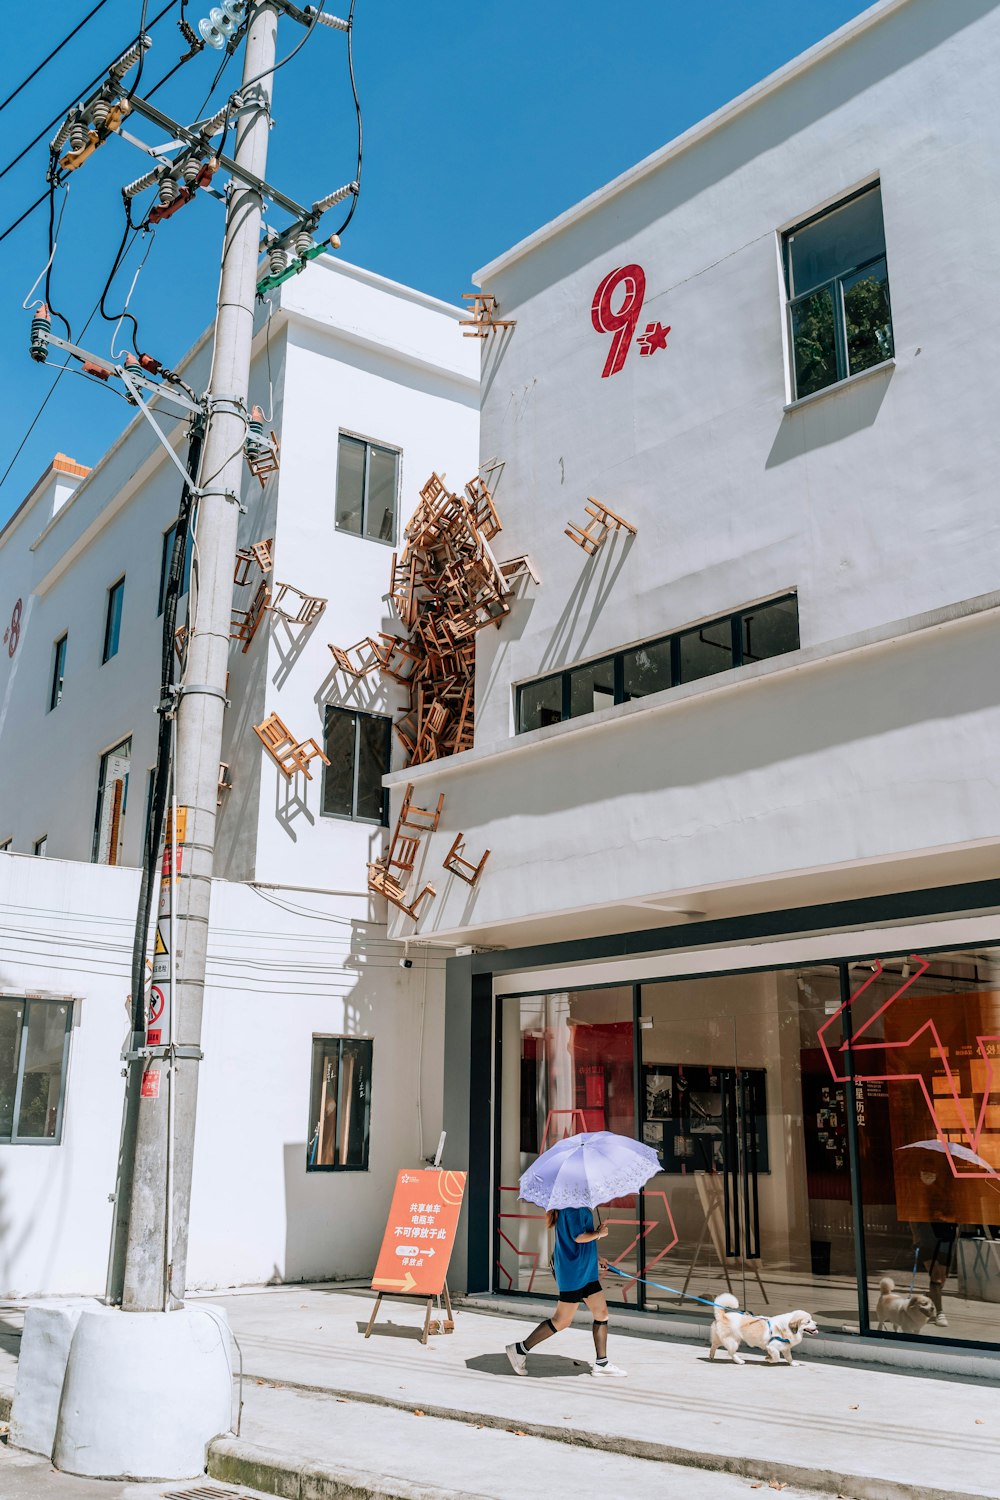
<point x="277" y="259"/>
<point x="61" y="137"/>
<point x="256" y="442"/>
<point x="221" y="23"/>
<point x="337" y="197"/>
<point x="99" y="111"/>
<point x="41" y="327"/>
<point x="131" y="57"/>
<point x="168" y="191"/>
<point x="303" y="242"/>
<point x="141" y="183"/>
<point x="313" y="16"/>
<point x="191" y="169"/>
<point x="79" y="135"/>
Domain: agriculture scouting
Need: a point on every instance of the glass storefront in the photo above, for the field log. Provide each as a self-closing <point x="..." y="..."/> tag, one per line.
<point x="822" y="1131"/>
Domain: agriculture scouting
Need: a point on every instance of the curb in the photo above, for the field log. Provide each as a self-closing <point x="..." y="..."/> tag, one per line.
<point x="824" y="1481"/>
<point x="236" y="1462"/>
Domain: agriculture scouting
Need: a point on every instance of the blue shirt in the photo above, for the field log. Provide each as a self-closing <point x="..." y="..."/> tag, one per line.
<point x="575" y="1265"/>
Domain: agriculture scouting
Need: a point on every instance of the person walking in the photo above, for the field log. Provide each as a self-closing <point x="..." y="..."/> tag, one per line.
<point x="577" y="1268"/>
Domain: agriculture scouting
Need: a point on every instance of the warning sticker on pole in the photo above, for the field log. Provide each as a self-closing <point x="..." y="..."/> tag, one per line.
<point x="420" y="1234"/>
<point x="161" y="957"/>
<point x="154" y="1024"/>
<point x="151" y="1084"/>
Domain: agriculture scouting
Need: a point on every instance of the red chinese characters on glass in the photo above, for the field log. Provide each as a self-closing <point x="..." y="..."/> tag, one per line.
<point x="622" y="321"/>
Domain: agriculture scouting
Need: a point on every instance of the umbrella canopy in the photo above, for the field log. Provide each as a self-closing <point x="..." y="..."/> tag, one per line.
<point x="585" y="1170"/>
<point x="961" y="1153"/>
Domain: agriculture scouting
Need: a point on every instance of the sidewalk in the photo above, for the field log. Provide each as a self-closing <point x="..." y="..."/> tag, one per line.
<point x="319" y="1398"/>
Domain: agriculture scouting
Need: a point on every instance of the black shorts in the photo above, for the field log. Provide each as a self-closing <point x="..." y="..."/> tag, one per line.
<point x="581" y="1292"/>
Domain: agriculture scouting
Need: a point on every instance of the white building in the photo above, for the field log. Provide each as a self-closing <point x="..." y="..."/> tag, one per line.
<point x="736" y="765"/>
<point x="370" y="386"/>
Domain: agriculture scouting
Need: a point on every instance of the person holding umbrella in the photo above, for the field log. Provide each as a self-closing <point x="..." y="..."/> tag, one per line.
<point x="569" y="1181"/>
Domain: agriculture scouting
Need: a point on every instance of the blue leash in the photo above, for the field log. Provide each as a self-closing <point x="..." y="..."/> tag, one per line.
<point x="661" y="1286"/>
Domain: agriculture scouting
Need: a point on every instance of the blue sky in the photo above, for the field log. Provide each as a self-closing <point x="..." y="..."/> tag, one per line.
<point x="481" y="121"/>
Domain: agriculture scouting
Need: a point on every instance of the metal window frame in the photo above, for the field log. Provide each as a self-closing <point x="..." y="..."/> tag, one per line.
<point x="323" y="1041"/>
<point x="58" y="671"/>
<point x="734" y="618"/>
<point x="835" y="284"/>
<point x="38" y="1140"/>
<point x="116" y="588"/>
<point x="368" y="444"/>
<point x="353" y="816"/>
<point x="102" y="766"/>
<point x="36" y="852"/>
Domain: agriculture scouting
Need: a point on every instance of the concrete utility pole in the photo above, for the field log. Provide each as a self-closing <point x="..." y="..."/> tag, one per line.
<point x="156" y="1255"/>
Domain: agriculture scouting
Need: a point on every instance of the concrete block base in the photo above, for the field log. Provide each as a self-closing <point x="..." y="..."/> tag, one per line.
<point x="141" y="1394"/>
<point x="45" y="1344"/>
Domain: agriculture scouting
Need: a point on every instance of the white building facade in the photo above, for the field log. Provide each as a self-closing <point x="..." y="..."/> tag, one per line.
<point x="735" y="759"/>
<point x="369" y="386"/>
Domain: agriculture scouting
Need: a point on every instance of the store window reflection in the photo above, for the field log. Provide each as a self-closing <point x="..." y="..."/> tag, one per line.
<point x="573" y="1072"/>
<point x="926" y="1052"/>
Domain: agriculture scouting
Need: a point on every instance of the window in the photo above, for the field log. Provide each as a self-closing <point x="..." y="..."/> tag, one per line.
<point x="339" y="1105"/>
<point x="735" y="640"/>
<point x="40" y="846"/>
<point x="34" y="1051"/>
<point x="58" y="672"/>
<point x="112" y="796"/>
<point x="358" y="747"/>
<point x="7" y="845"/>
<point x="166" y="555"/>
<point x="367" y="485"/>
<point x="113" y="622"/>
<point x="838" y="293"/>
<point x="148" y="815"/>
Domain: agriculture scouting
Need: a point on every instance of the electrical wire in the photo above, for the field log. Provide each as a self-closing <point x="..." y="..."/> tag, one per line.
<point x="53" y="237"/>
<point x="54" y="53"/>
<point x="27" y="213"/>
<point x="142" y="50"/>
<point x="270" y="72"/>
<point x="357" y="109"/>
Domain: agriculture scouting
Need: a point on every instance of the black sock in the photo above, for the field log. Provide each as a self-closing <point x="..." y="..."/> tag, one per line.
<point x="520" y="1348"/>
<point x="602" y="1361"/>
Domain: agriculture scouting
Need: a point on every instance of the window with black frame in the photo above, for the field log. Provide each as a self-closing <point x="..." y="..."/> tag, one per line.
<point x="367" y="489"/>
<point x="58" y="672"/>
<point x="166" y="555"/>
<point x="358" y="747"/>
<point x="748" y="635"/>
<point x="34" y="1052"/>
<point x="113" y="620"/>
<point x="339" y="1104"/>
<point x="837" y="283"/>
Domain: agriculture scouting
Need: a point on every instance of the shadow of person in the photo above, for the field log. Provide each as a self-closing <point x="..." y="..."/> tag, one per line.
<point x="540" y="1365"/>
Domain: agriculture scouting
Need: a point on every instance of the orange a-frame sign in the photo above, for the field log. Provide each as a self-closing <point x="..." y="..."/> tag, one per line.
<point x="420" y="1234"/>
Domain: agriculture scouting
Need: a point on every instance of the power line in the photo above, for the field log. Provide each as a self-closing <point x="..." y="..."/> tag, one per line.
<point x="55" y="51"/>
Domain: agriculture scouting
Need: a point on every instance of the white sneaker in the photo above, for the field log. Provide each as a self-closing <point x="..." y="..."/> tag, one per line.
<point x="518" y="1362"/>
<point x="940" y="1321"/>
<point x="608" y="1369"/>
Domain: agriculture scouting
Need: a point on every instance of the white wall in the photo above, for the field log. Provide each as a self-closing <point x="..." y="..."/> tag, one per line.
<point x="876" y="501"/>
<point x="276" y="978"/>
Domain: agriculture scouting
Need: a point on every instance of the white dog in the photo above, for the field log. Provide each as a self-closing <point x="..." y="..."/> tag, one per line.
<point x="776" y="1337"/>
<point x="906" y="1312"/>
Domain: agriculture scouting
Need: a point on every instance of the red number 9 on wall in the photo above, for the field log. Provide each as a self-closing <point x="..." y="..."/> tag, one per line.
<point x="621" y="323"/>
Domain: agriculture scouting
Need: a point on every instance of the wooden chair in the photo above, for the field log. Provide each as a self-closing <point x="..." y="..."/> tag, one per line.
<point x="602" y="521"/>
<point x="262" y="552"/>
<point x="245" y="623"/>
<point x="289" y="755"/>
<point x="432" y="722"/>
<point x="398" y="657"/>
<point x="225" y="783"/>
<point x="368" y="657"/>
<point x="382" y="883"/>
<point x="463" y="868"/>
<point x="308" y="609"/>
<point x="180" y="641"/>
<point x="481" y="508"/>
<point x="421" y="818"/>
<point x="484" y="320"/>
<point x="262" y="456"/>
<point x="516" y="568"/>
<point x="257" y="554"/>
<point x="403" y="850"/>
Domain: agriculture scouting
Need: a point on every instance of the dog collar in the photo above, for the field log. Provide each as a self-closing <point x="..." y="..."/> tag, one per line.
<point x="775" y="1338"/>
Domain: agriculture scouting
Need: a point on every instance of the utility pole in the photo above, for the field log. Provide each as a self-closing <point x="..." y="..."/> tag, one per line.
<point x="156" y="1254"/>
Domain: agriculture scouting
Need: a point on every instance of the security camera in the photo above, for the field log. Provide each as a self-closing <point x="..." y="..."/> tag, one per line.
<point x="406" y="963"/>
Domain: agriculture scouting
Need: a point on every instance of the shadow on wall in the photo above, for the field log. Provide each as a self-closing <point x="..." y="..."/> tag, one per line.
<point x="822" y="422"/>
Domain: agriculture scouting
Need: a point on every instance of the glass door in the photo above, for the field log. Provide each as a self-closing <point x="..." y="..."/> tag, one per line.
<point x="754" y="1193"/>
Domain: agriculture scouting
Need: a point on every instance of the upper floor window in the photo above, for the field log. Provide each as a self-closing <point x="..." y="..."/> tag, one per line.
<point x="339" y="1104"/>
<point x="840" y="321"/>
<point x="167" y="553"/>
<point x="34" y="1050"/>
<point x="7" y="844"/>
<point x="113" y="619"/>
<point x="58" y="672"/>
<point x="367" y="489"/>
<point x="41" y="846"/>
<point x="112" y="796"/>
<point x="358" y="747"/>
<point x="745" y="636"/>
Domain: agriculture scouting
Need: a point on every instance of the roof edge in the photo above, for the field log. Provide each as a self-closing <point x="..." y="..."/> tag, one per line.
<point x="691" y="137"/>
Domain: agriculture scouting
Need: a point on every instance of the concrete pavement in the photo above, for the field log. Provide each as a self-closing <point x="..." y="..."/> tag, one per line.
<point x="870" y="1434"/>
